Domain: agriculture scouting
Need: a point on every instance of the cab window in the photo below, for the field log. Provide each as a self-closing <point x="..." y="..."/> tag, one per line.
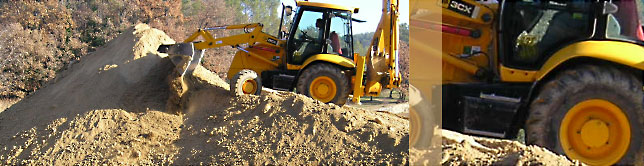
<point x="339" y="39"/>
<point x="626" y="23"/>
<point x="533" y="30"/>
<point x="307" y="38"/>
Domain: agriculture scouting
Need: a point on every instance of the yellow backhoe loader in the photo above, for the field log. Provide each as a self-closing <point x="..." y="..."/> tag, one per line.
<point x="569" y="72"/>
<point x="312" y="54"/>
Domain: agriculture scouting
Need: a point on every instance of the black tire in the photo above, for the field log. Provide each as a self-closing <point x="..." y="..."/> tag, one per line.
<point x="421" y="121"/>
<point x="583" y="83"/>
<point x="318" y="70"/>
<point x="236" y="84"/>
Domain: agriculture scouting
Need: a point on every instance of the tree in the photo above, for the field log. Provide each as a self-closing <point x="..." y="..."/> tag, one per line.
<point x="361" y="42"/>
<point x="204" y="13"/>
<point x="35" y="44"/>
<point x="253" y="11"/>
<point x="359" y="48"/>
<point x="41" y="38"/>
<point x="404" y="32"/>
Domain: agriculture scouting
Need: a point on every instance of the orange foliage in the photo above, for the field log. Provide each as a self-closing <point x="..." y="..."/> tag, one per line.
<point x="403" y="62"/>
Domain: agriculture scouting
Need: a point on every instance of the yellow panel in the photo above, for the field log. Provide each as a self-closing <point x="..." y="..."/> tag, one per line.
<point x="243" y="60"/>
<point x="324" y="5"/>
<point x="516" y="75"/>
<point x="373" y="89"/>
<point x="293" y="67"/>
<point x="461" y="57"/>
<point x="237" y="64"/>
<point x="358" y="89"/>
<point x="331" y="58"/>
<point x="619" y="52"/>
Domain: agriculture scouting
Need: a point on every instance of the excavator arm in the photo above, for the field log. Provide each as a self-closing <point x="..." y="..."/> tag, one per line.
<point x="381" y="61"/>
<point x="253" y="35"/>
<point x="190" y="51"/>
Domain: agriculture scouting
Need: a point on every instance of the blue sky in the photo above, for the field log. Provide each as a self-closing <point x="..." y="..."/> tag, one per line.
<point x="370" y="11"/>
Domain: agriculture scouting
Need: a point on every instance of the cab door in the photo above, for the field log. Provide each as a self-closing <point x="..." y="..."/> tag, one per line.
<point x="307" y="35"/>
<point x="320" y="31"/>
<point x="531" y="31"/>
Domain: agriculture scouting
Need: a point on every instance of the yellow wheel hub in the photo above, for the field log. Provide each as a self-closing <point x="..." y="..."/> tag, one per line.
<point x="595" y="132"/>
<point x="249" y="87"/>
<point x="323" y="88"/>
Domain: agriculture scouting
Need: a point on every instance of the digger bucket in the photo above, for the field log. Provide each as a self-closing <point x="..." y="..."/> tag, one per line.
<point x="183" y="54"/>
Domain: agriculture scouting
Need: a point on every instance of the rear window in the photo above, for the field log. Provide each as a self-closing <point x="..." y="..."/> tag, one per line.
<point x="626" y="23"/>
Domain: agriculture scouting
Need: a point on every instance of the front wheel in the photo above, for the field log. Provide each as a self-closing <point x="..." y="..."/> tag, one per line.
<point x="590" y="113"/>
<point x="422" y="123"/>
<point x="324" y="82"/>
<point x="246" y="82"/>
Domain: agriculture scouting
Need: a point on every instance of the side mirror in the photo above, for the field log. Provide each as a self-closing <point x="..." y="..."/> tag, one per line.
<point x="288" y="10"/>
<point x="610" y="8"/>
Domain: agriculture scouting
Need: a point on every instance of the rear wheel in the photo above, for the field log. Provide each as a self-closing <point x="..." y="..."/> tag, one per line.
<point x="589" y="113"/>
<point x="246" y="82"/>
<point x="324" y="82"/>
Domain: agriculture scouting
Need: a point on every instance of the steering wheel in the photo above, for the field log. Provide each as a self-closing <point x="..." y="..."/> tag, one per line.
<point x="303" y="38"/>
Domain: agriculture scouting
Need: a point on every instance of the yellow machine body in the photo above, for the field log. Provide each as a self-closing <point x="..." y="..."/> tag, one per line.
<point x="627" y="54"/>
<point x="463" y="70"/>
<point x="261" y="52"/>
<point x="456" y="69"/>
<point x="258" y="58"/>
<point x="329" y="58"/>
<point x="382" y="62"/>
<point x="489" y="90"/>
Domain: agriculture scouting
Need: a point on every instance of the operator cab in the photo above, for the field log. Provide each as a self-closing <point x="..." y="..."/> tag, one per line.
<point x="534" y="30"/>
<point x="318" y="28"/>
<point x="530" y="33"/>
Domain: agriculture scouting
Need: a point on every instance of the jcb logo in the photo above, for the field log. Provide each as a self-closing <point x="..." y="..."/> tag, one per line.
<point x="461" y="7"/>
<point x="272" y="41"/>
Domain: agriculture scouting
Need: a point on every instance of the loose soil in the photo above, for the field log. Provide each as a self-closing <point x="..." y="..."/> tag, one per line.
<point x="459" y="149"/>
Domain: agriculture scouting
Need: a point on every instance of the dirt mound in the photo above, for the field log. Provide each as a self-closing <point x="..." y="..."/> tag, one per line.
<point x="459" y="149"/>
<point x="110" y="108"/>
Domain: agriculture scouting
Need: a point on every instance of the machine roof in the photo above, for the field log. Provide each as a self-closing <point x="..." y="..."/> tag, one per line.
<point x="325" y="5"/>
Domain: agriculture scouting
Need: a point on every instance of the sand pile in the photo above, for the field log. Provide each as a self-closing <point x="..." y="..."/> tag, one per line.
<point x="459" y="149"/>
<point x="110" y="108"/>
